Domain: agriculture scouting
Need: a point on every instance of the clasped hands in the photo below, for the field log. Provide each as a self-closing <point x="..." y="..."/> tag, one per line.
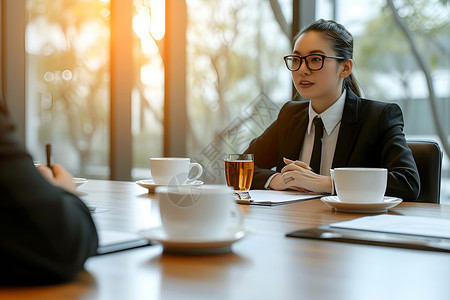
<point x="297" y="175"/>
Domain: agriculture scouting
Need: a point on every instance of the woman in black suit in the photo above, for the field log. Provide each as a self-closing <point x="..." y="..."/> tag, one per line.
<point x="356" y="132"/>
<point x="47" y="232"/>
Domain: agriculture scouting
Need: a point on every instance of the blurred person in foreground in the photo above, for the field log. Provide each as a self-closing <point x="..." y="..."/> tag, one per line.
<point x="47" y="232"/>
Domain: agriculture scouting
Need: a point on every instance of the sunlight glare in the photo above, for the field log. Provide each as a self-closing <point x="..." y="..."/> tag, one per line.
<point x="149" y="26"/>
<point x="151" y="75"/>
<point x="157" y="19"/>
<point x="148" y="22"/>
<point x="105" y="13"/>
<point x="140" y="27"/>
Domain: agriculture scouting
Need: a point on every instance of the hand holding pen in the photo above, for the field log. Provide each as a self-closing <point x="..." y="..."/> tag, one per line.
<point x="55" y="173"/>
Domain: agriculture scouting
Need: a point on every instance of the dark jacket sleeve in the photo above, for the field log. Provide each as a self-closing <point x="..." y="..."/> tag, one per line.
<point x="403" y="176"/>
<point x="46" y="233"/>
<point x="265" y="154"/>
<point x="371" y="135"/>
<point x="281" y="139"/>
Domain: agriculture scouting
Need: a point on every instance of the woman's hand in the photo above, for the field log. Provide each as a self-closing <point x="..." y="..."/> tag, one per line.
<point x="57" y="175"/>
<point x="297" y="175"/>
<point x="278" y="183"/>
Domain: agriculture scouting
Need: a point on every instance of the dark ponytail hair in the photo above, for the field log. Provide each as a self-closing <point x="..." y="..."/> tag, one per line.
<point x="341" y="42"/>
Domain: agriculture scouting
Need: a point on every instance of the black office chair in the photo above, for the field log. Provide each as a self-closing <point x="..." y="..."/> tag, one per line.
<point x="428" y="157"/>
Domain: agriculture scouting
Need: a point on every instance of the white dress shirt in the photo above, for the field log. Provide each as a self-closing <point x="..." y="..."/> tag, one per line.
<point x="331" y="119"/>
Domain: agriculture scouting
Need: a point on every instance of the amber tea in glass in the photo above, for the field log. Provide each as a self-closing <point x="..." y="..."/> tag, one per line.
<point x="239" y="171"/>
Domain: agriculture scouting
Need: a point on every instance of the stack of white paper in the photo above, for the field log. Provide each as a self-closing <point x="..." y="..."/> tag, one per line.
<point x="422" y="226"/>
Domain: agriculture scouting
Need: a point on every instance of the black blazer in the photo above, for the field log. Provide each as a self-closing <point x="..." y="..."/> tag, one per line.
<point x="46" y="232"/>
<point x="370" y="135"/>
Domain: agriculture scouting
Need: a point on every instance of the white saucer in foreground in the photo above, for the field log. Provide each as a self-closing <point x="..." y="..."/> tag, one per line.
<point x="79" y="181"/>
<point x="361" y="207"/>
<point x="151" y="185"/>
<point x="194" y="246"/>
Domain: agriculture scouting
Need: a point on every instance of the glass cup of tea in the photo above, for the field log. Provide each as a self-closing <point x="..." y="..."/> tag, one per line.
<point x="239" y="173"/>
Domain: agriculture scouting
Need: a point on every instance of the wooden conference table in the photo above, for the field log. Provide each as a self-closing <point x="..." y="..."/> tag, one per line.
<point x="264" y="265"/>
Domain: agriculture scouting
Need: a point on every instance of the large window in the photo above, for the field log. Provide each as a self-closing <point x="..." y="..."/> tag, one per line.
<point x="148" y="87"/>
<point x="234" y="74"/>
<point x="68" y="83"/>
<point x="67" y="46"/>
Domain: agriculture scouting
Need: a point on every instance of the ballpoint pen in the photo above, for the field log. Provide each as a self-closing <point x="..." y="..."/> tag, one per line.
<point x="48" y="150"/>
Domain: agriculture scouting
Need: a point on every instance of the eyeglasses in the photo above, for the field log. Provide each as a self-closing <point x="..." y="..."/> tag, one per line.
<point x="314" y="62"/>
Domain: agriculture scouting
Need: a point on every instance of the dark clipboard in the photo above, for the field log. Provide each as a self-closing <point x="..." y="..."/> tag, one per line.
<point x="405" y="241"/>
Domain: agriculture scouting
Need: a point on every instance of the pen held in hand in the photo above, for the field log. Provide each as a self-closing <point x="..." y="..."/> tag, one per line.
<point x="48" y="151"/>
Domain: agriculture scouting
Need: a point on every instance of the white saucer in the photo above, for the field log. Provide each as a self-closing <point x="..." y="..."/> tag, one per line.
<point x="361" y="207"/>
<point x="151" y="185"/>
<point x="79" y="181"/>
<point x="194" y="246"/>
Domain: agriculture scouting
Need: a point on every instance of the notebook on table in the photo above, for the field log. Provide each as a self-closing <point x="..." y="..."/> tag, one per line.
<point x="111" y="241"/>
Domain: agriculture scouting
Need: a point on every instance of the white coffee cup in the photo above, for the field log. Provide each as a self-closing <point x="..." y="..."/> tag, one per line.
<point x="197" y="212"/>
<point x="173" y="170"/>
<point x="360" y="184"/>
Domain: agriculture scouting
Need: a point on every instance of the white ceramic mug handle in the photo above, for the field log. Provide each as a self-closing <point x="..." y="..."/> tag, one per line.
<point x="333" y="192"/>
<point x="199" y="173"/>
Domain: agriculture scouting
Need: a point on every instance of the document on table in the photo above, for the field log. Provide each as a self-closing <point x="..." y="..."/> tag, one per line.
<point x="113" y="241"/>
<point x="271" y="197"/>
<point x="420" y="233"/>
<point x="429" y="227"/>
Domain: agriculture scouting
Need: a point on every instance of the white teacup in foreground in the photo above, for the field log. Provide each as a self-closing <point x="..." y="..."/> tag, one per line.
<point x="360" y="184"/>
<point x="173" y="170"/>
<point x="197" y="212"/>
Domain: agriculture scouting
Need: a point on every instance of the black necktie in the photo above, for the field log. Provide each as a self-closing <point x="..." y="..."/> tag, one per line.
<point x="317" y="150"/>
